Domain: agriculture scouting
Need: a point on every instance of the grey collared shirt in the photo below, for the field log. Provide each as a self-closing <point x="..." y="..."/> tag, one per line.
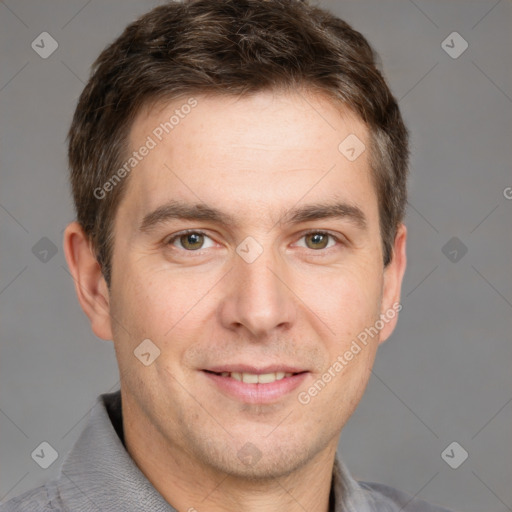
<point x="98" y="475"/>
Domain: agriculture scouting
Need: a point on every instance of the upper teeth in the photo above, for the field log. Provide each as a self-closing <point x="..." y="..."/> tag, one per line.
<point x="252" y="378"/>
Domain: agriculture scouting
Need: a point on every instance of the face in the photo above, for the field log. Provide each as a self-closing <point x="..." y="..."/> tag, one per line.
<point x="247" y="249"/>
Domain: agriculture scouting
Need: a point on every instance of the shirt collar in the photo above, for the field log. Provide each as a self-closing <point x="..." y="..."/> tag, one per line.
<point x="349" y="496"/>
<point x="99" y="474"/>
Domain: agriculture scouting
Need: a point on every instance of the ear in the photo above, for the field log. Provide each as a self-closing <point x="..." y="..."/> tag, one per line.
<point x="393" y="276"/>
<point x="90" y="285"/>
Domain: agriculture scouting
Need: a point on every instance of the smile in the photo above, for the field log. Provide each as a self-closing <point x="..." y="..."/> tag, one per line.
<point x="254" y="378"/>
<point x="256" y="388"/>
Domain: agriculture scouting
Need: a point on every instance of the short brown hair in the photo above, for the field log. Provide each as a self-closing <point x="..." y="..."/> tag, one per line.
<point x="233" y="47"/>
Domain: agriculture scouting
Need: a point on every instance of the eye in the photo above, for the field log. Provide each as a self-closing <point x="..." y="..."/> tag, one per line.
<point x="317" y="240"/>
<point x="190" y="240"/>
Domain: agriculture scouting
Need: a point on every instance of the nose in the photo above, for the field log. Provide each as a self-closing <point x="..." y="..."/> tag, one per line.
<point x="260" y="299"/>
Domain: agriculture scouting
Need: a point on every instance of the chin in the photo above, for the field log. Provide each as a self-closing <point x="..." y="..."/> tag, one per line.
<point x="257" y="460"/>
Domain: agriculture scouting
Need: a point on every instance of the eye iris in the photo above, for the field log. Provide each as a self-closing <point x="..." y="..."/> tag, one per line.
<point x="192" y="240"/>
<point x="318" y="238"/>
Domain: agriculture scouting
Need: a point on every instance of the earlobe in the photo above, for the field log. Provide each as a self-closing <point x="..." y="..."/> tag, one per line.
<point x="90" y="285"/>
<point x="393" y="277"/>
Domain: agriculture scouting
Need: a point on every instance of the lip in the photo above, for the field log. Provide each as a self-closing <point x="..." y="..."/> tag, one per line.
<point x="245" y="368"/>
<point x="255" y="393"/>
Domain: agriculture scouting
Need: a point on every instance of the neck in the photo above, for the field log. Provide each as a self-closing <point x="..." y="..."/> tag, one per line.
<point x="189" y="485"/>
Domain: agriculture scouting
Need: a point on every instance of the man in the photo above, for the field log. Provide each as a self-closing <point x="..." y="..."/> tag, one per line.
<point x="239" y="176"/>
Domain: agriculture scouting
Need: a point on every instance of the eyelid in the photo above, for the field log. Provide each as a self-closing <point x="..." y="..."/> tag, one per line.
<point x="169" y="240"/>
<point x="340" y="239"/>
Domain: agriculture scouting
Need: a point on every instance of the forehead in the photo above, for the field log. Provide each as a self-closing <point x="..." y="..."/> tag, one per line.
<point x="251" y="154"/>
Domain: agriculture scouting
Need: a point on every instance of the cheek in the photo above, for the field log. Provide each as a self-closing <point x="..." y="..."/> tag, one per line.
<point x="136" y="303"/>
<point x="346" y="299"/>
<point x="162" y="307"/>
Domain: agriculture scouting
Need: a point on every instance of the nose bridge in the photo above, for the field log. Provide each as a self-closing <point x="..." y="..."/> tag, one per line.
<point x="259" y="300"/>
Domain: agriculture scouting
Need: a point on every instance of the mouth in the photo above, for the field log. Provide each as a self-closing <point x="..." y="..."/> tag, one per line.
<point x="255" y="378"/>
<point x="252" y="385"/>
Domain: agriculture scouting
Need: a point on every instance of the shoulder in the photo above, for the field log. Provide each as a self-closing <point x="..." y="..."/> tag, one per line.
<point x="384" y="494"/>
<point x="34" y="500"/>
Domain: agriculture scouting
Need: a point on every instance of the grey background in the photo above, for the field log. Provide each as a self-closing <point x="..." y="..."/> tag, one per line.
<point x="444" y="375"/>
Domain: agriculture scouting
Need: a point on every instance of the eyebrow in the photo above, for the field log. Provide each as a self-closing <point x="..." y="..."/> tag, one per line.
<point x="202" y="212"/>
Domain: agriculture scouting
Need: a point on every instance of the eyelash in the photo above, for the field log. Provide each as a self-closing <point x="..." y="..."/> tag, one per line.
<point x="337" y="239"/>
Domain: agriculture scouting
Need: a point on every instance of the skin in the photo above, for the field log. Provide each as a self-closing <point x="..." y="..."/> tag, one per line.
<point x="298" y="303"/>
